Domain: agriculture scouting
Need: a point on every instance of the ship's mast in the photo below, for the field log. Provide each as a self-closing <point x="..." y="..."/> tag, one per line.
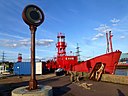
<point x="109" y="42"/>
<point x="110" y="38"/>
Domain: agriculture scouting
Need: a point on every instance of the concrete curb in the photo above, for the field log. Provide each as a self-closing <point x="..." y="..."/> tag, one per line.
<point x="42" y="91"/>
<point x="115" y="78"/>
<point x="120" y="79"/>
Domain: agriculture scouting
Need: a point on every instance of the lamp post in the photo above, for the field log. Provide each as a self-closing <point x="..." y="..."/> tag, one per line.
<point x="33" y="16"/>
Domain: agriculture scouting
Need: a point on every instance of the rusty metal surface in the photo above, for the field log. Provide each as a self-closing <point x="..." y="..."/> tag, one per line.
<point x="35" y="9"/>
<point x="33" y="16"/>
<point x="32" y="82"/>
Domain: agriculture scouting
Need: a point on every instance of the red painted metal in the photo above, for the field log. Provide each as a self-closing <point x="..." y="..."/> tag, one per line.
<point x="61" y="45"/>
<point x="110" y="59"/>
<point x="109" y="42"/>
<point x="63" y="61"/>
<point x="122" y="65"/>
<point x="110" y="38"/>
<point x="71" y="62"/>
<point x="19" y="57"/>
<point x="66" y="62"/>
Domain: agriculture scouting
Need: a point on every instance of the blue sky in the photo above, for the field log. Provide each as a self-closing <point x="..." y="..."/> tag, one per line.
<point x="82" y="21"/>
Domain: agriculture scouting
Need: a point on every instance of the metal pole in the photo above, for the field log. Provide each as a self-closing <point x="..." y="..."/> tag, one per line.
<point x="107" y="51"/>
<point x="32" y="82"/>
<point x="33" y="16"/>
<point x="110" y="39"/>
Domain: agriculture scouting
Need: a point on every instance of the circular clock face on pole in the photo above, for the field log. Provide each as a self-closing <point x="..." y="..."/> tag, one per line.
<point x="33" y="15"/>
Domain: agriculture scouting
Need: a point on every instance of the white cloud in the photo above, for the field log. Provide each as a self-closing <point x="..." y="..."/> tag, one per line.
<point x="114" y="20"/>
<point x="45" y="42"/>
<point x="99" y="35"/>
<point x="42" y="50"/>
<point x="103" y="28"/>
<point x="114" y="24"/>
<point x="24" y="42"/>
<point x="94" y="38"/>
<point x="122" y="37"/>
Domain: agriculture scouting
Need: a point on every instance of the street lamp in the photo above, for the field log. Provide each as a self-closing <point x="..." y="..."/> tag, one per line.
<point x="33" y="16"/>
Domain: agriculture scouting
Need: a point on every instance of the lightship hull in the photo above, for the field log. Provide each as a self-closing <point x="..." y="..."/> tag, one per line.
<point x="110" y="60"/>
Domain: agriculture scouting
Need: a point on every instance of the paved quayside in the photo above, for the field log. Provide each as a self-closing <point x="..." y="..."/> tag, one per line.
<point x="63" y="87"/>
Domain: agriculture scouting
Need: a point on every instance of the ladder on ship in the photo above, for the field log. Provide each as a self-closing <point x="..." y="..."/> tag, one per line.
<point x="97" y="71"/>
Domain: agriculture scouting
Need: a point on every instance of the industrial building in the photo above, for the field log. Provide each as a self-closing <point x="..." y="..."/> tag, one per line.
<point x="123" y="58"/>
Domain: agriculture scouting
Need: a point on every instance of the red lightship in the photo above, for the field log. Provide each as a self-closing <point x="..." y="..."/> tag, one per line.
<point x="70" y="63"/>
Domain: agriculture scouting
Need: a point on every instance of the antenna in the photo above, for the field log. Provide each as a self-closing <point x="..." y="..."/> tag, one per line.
<point x="78" y="52"/>
<point x="3" y="57"/>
